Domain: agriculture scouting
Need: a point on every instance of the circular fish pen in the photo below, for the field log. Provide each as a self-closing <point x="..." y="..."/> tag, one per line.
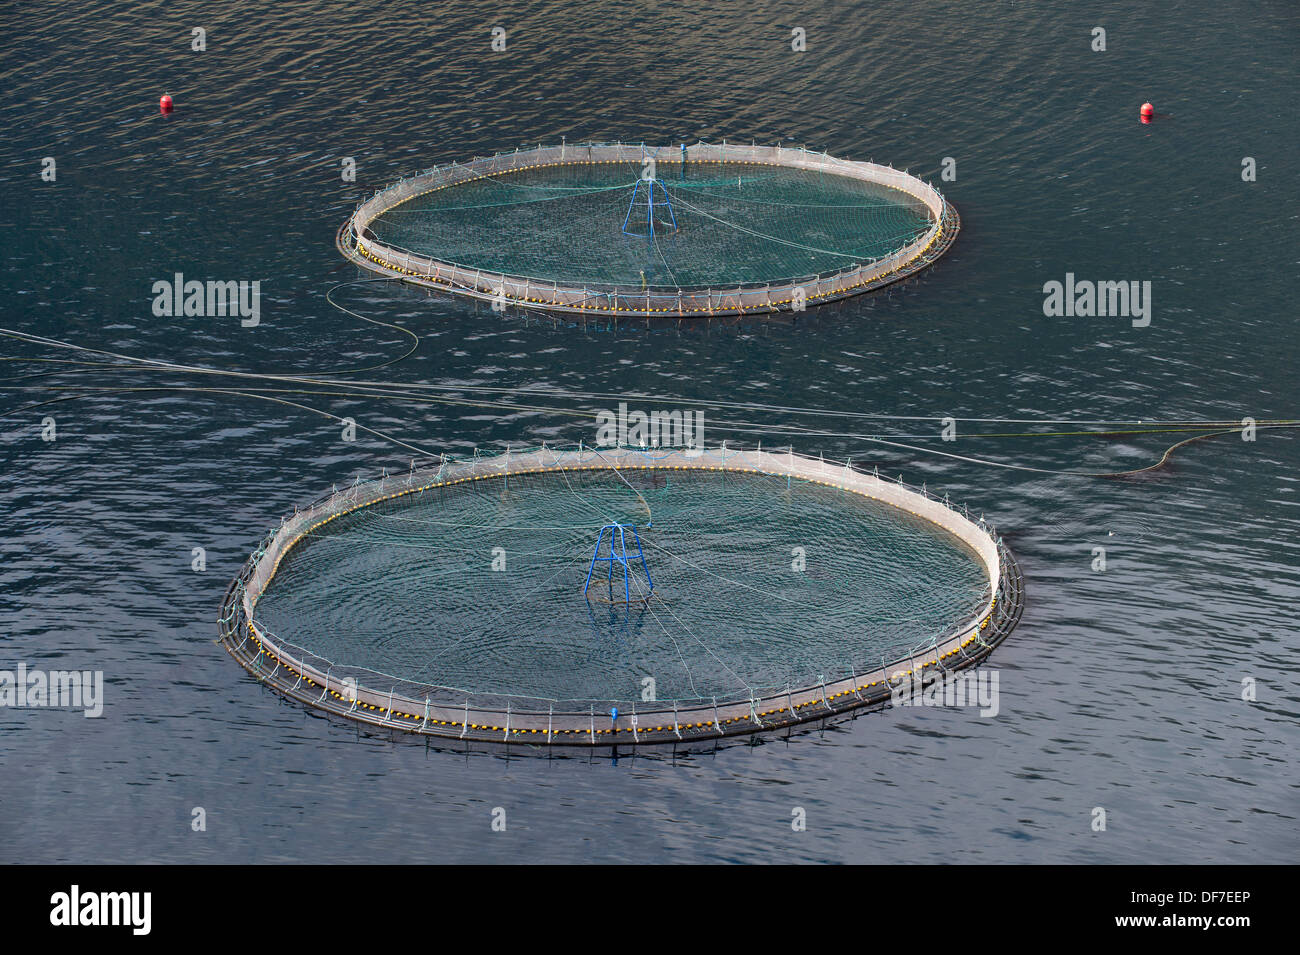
<point x="672" y="231"/>
<point x="593" y="597"/>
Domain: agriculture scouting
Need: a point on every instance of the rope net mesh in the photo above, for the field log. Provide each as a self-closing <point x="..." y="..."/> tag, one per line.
<point x="736" y="229"/>
<point x="478" y="586"/>
<point x="735" y="224"/>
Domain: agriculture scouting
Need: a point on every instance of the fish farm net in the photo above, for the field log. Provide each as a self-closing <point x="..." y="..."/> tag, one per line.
<point x="685" y="231"/>
<point x="598" y="595"/>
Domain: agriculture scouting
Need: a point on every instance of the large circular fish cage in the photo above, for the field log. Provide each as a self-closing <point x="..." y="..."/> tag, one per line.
<point x="469" y="601"/>
<point x="670" y="231"/>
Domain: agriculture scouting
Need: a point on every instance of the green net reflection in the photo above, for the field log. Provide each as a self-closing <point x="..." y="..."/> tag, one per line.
<point x="736" y="223"/>
<point x="759" y="582"/>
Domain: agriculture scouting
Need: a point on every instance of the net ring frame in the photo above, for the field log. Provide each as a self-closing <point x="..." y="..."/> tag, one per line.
<point x="449" y="713"/>
<point x="355" y="241"/>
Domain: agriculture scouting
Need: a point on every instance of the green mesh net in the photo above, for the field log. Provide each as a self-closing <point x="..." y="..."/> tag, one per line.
<point x="735" y="223"/>
<point x="759" y="582"/>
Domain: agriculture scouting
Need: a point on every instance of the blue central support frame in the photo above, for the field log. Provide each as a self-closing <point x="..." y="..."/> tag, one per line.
<point x="620" y="557"/>
<point x="651" y="185"/>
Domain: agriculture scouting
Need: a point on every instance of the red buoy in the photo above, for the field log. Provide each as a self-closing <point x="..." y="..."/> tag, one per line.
<point x="1148" y="112"/>
<point x="165" y="104"/>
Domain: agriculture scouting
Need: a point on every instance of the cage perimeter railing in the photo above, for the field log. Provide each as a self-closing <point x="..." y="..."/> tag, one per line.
<point x="384" y="700"/>
<point x="358" y="244"/>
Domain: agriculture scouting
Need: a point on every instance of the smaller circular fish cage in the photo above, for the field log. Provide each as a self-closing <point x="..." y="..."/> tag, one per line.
<point x="671" y="231"/>
<point x="452" y="601"/>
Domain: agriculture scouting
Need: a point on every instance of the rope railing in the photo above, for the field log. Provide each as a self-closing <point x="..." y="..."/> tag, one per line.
<point x="439" y="707"/>
<point x="305" y="660"/>
<point x="472" y="718"/>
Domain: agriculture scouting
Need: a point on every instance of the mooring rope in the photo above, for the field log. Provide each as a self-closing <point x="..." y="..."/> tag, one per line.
<point x="418" y="392"/>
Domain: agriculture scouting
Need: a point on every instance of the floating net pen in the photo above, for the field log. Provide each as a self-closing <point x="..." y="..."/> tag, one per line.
<point x="611" y="596"/>
<point x="677" y="231"/>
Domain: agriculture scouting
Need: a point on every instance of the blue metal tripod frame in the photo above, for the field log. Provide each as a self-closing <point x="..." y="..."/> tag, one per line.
<point x="664" y="202"/>
<point x="621" y="557"/>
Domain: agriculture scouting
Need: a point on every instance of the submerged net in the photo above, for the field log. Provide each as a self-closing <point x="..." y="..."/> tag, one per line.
<point x="759" y="583"/>
<point x="734" y="223"/>
<point x="689" y="231"/>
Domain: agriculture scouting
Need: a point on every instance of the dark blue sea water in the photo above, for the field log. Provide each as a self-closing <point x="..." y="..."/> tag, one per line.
<point x="1121" y="689"/>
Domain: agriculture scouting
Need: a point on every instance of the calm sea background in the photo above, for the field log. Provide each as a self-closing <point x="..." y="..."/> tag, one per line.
<point x="1120" y="689"/>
